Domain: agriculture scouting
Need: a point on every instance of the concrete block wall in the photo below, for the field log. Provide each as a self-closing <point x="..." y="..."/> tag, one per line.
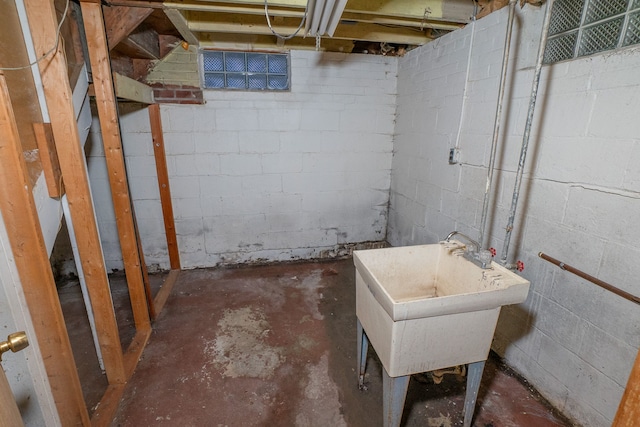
<point x="579" y="203"/>
<point x="264" y="176"/>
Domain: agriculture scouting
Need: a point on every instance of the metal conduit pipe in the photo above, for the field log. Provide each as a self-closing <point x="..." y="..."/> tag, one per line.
<point x="527" y="132"/>
<point x="498" y="118"/>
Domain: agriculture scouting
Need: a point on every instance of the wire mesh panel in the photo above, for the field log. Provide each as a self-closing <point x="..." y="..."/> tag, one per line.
<point x="633" y="30"/>
<point x="245" y="70"/>
<point x="256" y="63"/>
<point x="600" y="37"/>
<point x="278" y="82"/>
<point x="234" y="61"/>
<point x="584" y="27"/>
<point x="214" y="80"/>
<point x="278" y="64"/>
<point x="236" y="81"/>
<point x="213" y="61"/>
<point x="560" y="48"/>
<point x="565" y="16"/>
<point x="602" y="9"/>
<point x="257" y="81"/>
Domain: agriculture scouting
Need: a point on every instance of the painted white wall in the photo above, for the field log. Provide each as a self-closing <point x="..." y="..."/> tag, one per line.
<point x="580" y="199"/>
<point x="264" y="176"/>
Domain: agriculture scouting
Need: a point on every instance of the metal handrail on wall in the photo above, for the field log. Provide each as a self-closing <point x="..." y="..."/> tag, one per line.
<point x="590" y="278"/>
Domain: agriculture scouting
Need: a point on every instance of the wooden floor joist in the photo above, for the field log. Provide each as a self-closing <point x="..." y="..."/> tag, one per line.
<point x="112" y="141"/>
<point x="20" y="216"/>
<point x="58" y="95"/>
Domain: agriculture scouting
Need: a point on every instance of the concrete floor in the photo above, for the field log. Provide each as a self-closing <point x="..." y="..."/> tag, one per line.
<point x="276" y="346"/>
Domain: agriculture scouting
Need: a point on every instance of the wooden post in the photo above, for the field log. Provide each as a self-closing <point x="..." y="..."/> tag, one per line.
<point x="58" y="95"/>
<point x="163" y="183"/>
<point x="110" y="127"/>
<point x="8" y="406"/>
<point x="20" y="215"/>
<point x="629" y="410"/>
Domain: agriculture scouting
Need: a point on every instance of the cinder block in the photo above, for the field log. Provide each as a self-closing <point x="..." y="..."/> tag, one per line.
<point x="178" y="143"/>
<point x="319" y="120"/>
<point x="591" y="211"/>
<point x="607" y="354"/>
<point x="237" y="119"/>
<point x="187" y="208"/>
<point x="259" y="142"/>
<point x="141" y="166"/>
<point x="205" y="164"/>
<point x="184" y="187"/>
<point x="258" y="185"/>
<point x="144" y="187"/>
<point x="280" y="119"/>
<point x="281" y="163"/>
<point x="220" y="185"/>
<point x="137" y="144"/>
<point x="240" y="164"/>
<point x="216" y="142"/>
<point x="614" y="113"/>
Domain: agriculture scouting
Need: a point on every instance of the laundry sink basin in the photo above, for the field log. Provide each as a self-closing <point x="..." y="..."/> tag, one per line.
<point x="427" y="307"/>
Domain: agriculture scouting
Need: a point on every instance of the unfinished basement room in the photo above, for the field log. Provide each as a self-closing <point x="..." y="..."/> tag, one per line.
<point x="320" y="213"/>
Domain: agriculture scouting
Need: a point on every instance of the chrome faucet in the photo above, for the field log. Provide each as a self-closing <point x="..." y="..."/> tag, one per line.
<point x="481" y="258"/>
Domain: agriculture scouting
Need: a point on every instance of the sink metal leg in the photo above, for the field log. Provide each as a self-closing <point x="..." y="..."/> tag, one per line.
<point x="474" y="376"/>
<point x="363" y="347"/>
<point x="394" y="394"/>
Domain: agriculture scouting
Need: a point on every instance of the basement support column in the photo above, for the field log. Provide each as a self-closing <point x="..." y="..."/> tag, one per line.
<point x="110" y="127"/>
<point x="58" y="95"/>
<point x="20" y="215"/>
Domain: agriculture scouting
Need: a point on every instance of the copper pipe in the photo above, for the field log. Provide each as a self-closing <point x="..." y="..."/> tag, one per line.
<point x="579" y="273"/>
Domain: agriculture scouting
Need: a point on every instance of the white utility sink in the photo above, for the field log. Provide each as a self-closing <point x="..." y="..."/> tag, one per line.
<point x="426" y="307"/>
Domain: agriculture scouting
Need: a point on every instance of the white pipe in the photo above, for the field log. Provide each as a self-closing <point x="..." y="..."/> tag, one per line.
<point x="527" y="131"/>
<point x="496" y="125"/>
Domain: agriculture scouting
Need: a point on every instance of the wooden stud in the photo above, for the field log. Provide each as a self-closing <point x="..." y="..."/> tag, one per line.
<point x="58" y="95"/>
<point x="104" y="413"/>
<point x="8" y="406"/>
<point x="110" y="127"/>
<point x="165" y="290"/>
<point x="120" y="21"/>
<point x="181" y="24"/>
<point x="629" y="410"/>
<point x="20" y="215"/>
<point x="145" y="271"/>
<point x="49" y="159"/>
<point x="163" y="183"/>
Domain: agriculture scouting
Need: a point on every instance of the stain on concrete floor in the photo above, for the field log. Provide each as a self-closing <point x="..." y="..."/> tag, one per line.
<point x="276" y="346"/>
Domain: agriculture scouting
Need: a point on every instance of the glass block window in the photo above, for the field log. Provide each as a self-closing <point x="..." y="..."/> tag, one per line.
<point x="245" y="70"/>
<point x="584" y="27"/>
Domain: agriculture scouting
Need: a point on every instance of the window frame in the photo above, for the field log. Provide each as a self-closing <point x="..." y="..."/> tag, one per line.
<point x="577" y="36"/>
<point x="245" y="72"/>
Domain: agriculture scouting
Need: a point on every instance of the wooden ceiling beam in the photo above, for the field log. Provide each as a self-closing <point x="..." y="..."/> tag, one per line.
<point x="262" y="42"/>
<point x="459" y="11"/>
<point x="232" y="24"/>
<point x="178" y="20"/>
<point x="371" y="18"/>
<point x="120" y="21"/>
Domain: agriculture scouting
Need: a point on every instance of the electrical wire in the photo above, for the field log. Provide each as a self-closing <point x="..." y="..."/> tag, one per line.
<point x="47" y="53"/>
<point x="289" y="37"/>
